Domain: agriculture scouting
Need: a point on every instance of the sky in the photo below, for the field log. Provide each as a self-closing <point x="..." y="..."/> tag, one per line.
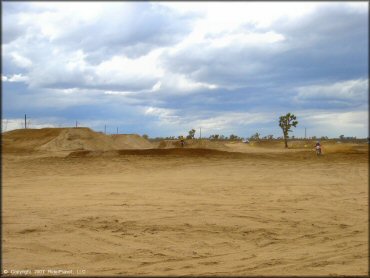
<point x="163" y="68"/>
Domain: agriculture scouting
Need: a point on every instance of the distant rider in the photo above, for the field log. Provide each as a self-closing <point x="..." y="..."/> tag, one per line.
<point x="318" y="147"/>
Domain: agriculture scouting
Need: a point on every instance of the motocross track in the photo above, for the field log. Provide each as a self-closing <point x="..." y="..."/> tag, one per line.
<point x="245" y="209"/>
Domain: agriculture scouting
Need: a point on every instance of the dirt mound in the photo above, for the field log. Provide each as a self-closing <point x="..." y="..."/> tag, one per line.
<point x="78" y="139"/>
<point x="347" y="148"/>
<point x="23" y="140"/>
<point x="292" y="144"/>
<point x="192" y="144"/>
<point x="183" y="152"/>
<point x="130" y="141"/>
<point x="168" y="144"/>
<point x="68" y="139"/>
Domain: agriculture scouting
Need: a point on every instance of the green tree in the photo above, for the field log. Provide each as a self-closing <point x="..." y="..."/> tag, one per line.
<point x="233" y="137"/>
<point x="145" y="136"/>
<point x="191" y="134"/>
<point x="286" y="123"/>
<point x="255" y="136"/>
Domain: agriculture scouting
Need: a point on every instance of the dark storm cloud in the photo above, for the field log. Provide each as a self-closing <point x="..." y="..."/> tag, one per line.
<point x="135" y="63"/>
<point x="123" y="30"/>
<point x="14" y="31"/>
<point x="328" y="44"/>
<point x="143" y="29"/>
<point x="11" y="18"/>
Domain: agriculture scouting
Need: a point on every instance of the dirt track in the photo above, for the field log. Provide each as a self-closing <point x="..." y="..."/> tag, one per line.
<point x="168" y="212"/>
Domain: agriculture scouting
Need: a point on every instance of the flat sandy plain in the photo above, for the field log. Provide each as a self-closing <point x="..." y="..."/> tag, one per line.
<point x="253" y="210"/>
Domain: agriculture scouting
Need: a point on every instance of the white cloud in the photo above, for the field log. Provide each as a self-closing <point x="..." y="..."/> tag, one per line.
<point x="261" y="14"/>
<point x="147" y="68"/>
<point x="157" y="86"/>
<point x="349" y="91"/>
<point x="20" y="61"/>
<point x="226" y="121"/>
<point x="179" y="83"/>
<point x="165" y="116"/>
<point x="350" y="118"/>
<point x="120" y="69"/>
<point x="14" y="78"/>
<point x="245" y="39"/>
<point x="353" y="123"/>
<point x="11" y="124"/>
<point x="55" y="20"/>
<point x="117" y="93"/>
<point x="210" y="122"/>
<point x="71" y="70"/>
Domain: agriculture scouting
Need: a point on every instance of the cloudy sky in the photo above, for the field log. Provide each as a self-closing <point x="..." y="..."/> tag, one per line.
<point x="162" y="68"/>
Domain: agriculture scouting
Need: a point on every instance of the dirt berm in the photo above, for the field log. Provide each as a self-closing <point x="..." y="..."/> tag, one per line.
<point x="193" y="143"/>
<point x="174" y="152"/>
<point x="69" y="139"/>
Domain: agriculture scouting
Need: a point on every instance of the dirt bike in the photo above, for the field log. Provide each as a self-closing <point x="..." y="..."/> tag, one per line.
<point x="318" y="150"/>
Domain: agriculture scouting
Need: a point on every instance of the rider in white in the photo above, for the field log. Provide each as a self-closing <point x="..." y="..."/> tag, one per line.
<point x="318" y="147"/>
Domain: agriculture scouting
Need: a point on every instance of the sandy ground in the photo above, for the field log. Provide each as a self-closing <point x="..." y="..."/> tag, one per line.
<point x="260" y="213"/>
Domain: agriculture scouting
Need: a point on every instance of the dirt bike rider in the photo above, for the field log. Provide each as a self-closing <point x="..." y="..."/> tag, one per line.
<point x="318" y="147"/>
<point x="182" y="141"/>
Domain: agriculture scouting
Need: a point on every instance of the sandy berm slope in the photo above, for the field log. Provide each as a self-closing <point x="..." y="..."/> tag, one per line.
<point x="187" y="211"/>
<point x="69" y="139"/>
<point x="193" y="144"/>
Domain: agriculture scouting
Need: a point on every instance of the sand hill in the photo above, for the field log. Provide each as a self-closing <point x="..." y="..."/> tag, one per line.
<point x="23" y="140"/>
<point x="130" y="141"/>
<point x="69" y="139"/>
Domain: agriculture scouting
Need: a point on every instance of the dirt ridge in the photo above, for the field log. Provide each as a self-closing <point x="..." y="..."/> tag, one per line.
<point x="69" y="139"/>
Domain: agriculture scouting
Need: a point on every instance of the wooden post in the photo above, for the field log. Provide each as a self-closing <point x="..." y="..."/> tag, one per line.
<point x="25" y="121"/>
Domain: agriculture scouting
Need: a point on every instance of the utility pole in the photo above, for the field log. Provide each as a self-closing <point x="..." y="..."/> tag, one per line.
<point x="25" y="121"/>
<point x="76" y="124"/>
<point x="304" y="133"/>
<point x="117" y="130"/>
<point x="200" y="132"/>
<point x="105" y="129"/>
